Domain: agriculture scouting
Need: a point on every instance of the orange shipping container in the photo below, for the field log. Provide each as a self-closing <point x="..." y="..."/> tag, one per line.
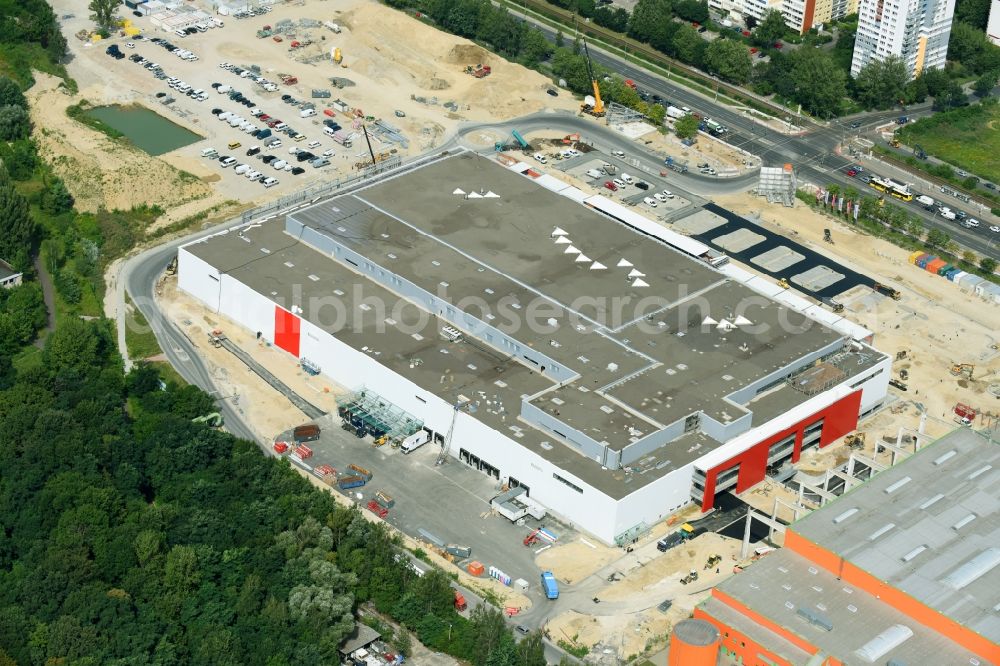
<point x="475" y="568"/>
<point x="933" y="266"/>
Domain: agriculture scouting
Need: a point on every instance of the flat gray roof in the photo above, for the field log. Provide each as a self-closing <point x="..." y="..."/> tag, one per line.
<point x="6" y="270"/>
<point x="784" y="583"/>
<point x="643" y="355"/>
<point x="929" y="526"/>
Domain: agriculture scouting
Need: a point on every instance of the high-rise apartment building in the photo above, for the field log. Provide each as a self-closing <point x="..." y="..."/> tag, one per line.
<point x="915" y="30"/>
<point x="993" y="27"/>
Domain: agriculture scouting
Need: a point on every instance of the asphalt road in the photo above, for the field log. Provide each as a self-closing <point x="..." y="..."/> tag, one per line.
<point x="139" y="276"/>
<point x="812" y="153"/>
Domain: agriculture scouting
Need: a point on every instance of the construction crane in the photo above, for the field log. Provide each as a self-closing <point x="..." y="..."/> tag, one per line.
<point x="446" y="445"/>
<point x="597" y="110"/>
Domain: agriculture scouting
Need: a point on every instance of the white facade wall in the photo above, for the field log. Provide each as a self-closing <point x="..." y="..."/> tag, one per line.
<point x="590" y="510"/>
<point x="915" y="30"/>
<point x="993" y="26"/>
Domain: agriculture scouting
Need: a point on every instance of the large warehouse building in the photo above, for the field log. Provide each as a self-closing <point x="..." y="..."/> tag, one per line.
<point x="614" y="376"/>
<point x="904" y="569"/>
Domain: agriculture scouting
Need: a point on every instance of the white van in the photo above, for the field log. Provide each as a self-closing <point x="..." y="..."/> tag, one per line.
<point x="329" y="131"/>
<point x="218" y="23"/>
<point x="415" y="441"/>
<point x="627" y="179"/>
<point x="209" y="152"/>
<point x="307" y="113"/>
<point x="594" y="173"/>
<point x="925" y="200"/>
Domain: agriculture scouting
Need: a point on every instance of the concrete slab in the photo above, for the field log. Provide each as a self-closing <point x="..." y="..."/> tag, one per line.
<point x="777" y="258"/>
<point x="817" y="278"/>
<point x="449" y="501"/>
<point x="699" y="223"/>
<point x="739" y="240"/>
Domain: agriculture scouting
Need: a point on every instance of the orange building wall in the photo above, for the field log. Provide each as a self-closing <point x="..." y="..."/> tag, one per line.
<point x="685" y="654"/>
<point x="742" y="609"/>
<point x="739" y="644"/>
<point x="894" y="597"/>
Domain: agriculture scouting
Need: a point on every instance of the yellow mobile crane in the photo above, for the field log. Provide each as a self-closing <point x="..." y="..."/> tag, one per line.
<point x="597" y="110"/>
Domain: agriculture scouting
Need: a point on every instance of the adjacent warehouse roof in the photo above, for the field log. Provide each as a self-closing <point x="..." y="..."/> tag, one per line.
<point x="812" y="604"/>
<point x="929" y="526"/>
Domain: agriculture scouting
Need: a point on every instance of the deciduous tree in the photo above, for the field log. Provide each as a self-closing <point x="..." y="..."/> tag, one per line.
<point x="729" y="59"/>
<point x="880" y="84"/>
<point x="104" y="13"/>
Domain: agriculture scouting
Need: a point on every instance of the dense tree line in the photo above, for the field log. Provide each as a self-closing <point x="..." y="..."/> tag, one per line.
<point x="133" y="536"/>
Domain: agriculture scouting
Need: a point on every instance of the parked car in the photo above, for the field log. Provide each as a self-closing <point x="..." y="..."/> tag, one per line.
<point x="610" y="185"/>
<point x="649" y="201"/>
<point x="297" y="170"/>
<point x="253" y="150"/>
<point x="227" y="162"/>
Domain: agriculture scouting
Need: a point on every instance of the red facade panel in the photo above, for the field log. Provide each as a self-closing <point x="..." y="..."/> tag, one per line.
<point x="286" y="331"/>
<point x="839" y="419"/>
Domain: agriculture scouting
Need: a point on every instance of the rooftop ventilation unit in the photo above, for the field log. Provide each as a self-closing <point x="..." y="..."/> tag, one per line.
<point x="815" y="618"/>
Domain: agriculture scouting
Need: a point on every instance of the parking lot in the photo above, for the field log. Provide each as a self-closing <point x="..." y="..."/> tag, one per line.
<point x="659" y="199"/>
<point x="248" y="139"/>
<point x="450" y="502"/>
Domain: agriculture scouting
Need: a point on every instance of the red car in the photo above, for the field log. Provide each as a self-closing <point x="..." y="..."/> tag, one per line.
<point x="264" y="117"/>
<point x="611" y="186"/>
<point x="778" y="45"/>
<point x="851" y="172"/>
<point x="753" y="49"/>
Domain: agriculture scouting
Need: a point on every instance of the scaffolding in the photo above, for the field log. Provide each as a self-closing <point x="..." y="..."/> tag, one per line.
<point x="618" y="115"/>
<point x="817" y="378"/>
<point x="365" y="412"/>
<point x="778" y="184"/>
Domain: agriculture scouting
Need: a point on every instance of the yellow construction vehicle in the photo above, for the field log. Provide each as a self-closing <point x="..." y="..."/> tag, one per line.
<point x="856" y="440"/>
<point x="597" y="110"/>
<point x="963" y="369"/>
<point x="783" y="283"/>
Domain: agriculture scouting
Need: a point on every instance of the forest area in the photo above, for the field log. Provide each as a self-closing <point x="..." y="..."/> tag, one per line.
<point x="132" y="535"/>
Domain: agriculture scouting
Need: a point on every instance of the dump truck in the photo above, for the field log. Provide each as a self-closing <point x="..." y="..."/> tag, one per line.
<point x="550" y="585"/>
<point x="460" y="604"/>
<point x="458" y="551"/>
<point x="685" y="532"/>
<point x="348" y="482"/>
<point x="306" y="433"/>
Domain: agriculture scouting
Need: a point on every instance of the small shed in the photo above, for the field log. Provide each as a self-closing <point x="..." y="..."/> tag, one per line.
<point x="360" y="638"/>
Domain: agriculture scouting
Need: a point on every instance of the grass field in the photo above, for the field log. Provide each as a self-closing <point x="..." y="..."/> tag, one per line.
<point x="968" y="138"/>
<point x="139" y="337"/>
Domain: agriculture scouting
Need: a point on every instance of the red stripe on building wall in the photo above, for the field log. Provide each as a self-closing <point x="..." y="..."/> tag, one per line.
<point x="893" y="597"/>
<point x="286" y="331"/>
<point x="839" y="418"/>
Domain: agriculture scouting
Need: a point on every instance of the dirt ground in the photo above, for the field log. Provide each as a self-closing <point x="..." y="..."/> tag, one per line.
<point x="391" y="62"/>
<point x="98" y="171"/>
<point x="936" y="323"/>
<point x="646" y="579"/>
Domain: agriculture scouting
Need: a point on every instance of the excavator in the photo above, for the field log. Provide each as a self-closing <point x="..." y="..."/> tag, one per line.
<point x="597" y="110"/>
<point x="963" y="370"/>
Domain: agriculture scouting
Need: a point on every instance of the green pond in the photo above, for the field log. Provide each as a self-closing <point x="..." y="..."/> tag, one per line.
<point x="149" y="131"/>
